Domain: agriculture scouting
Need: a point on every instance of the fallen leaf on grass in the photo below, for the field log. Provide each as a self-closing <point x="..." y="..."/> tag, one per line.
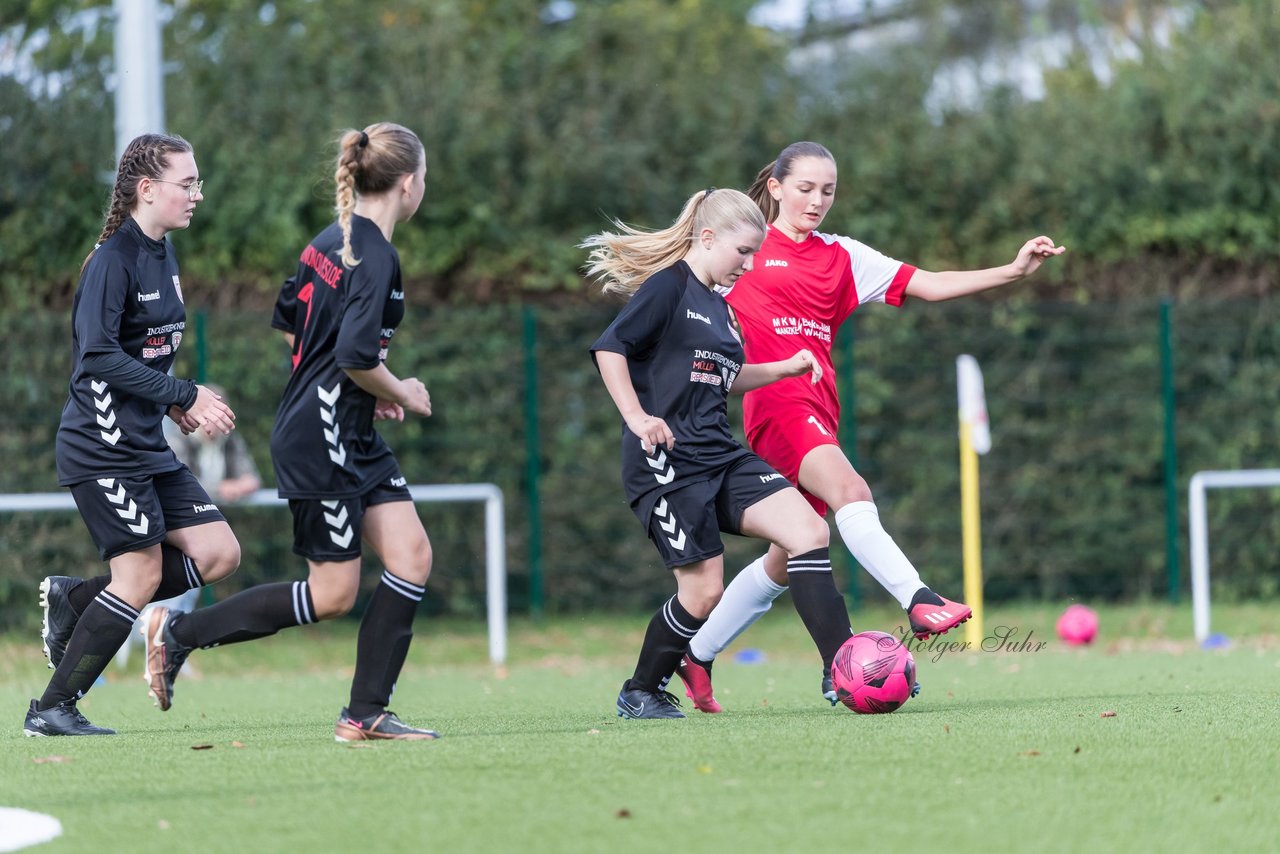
<point x="1077" y="750"/>
<point x="237" y="744"/>
<point x="202" y="747"/>
<point x="44" y="760"/>
<point x="1107" y="715"/>
<point x="593" y="732"/>
<point x="1030" y="753"/>
<point x="946" y="727"/>
<point x="623" y="813"/>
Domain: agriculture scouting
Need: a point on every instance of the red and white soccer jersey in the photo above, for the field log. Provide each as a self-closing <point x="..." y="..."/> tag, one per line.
<point x="795" y="297"/>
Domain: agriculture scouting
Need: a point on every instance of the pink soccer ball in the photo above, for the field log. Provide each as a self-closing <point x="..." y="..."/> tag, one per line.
<point x="1078" y="625"/>
<point x="873" y="673"/>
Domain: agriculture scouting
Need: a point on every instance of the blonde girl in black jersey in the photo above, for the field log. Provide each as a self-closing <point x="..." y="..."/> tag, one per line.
<point x="669" y="361"/>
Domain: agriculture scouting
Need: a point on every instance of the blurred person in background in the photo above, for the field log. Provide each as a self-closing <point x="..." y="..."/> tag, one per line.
<point x="225" y="468"/>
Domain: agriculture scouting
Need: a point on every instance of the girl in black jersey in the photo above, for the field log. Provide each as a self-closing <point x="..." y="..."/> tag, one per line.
<point x="669" y="361"/>
<point x="343" y="483"/>
<point x="151" y="520"/>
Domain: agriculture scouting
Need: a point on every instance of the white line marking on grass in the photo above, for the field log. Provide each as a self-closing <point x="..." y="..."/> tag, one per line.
<point x="21" y="828"/>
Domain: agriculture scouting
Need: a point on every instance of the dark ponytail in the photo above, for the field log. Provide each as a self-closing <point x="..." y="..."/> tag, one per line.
<point x="780" y="169"/>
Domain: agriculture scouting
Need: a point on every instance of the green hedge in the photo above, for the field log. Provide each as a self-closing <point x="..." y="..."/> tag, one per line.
<point x="1073" y="500"/>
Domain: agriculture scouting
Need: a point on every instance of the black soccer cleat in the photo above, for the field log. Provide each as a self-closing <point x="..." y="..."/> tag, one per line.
<point x="59" y="619"/>
<point x="382" y="725"/>
<point x="639" y="704"/>
<point x="62" y="719"/>
<point x="829" y="687"/>
<point x="165" y="655"/>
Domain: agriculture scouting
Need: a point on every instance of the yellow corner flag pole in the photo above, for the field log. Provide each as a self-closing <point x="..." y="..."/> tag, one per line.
<point x="975" y="438"/>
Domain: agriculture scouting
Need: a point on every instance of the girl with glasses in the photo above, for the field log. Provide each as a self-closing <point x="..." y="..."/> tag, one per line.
<point x="152" y="522"/>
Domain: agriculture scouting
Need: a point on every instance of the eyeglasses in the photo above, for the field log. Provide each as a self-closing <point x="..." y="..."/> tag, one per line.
<point x="192" y="188"/>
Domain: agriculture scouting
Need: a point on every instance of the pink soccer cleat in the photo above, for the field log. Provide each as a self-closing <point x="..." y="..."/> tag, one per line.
<point x="930" y="614"/>
<point x="697" y="685"/>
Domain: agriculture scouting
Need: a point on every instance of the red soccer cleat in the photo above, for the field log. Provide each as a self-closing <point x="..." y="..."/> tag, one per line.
<point x="697" y="685"/>
<point x="935" y="618"/>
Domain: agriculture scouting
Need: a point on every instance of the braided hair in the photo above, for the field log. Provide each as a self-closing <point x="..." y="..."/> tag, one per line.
<point x="370" y="161"/>
<point x="147" y="156"/>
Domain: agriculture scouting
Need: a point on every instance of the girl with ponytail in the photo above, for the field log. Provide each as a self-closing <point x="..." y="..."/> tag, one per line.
<point x="344" y="486"/>
<point x="669" y="361"/>
<point x="808" y="286"/>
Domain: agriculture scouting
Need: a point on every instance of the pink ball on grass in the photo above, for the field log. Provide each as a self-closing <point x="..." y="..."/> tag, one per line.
<point x="1078" y="625"/>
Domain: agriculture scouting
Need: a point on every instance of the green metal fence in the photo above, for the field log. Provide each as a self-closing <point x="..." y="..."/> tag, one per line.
<point x="1099" y="413"/>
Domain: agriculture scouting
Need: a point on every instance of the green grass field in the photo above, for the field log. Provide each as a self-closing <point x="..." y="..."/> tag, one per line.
<point x="1003" y="751"/>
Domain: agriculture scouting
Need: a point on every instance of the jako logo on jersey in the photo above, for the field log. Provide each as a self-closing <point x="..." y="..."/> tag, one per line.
<point x="765" y="478"/>
<point x="154" y="295"/>
<point x="693" y="315"/>
<point x="775" y="262"/>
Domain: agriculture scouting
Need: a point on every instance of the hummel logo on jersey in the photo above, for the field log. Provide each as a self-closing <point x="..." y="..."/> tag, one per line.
<point x="765" y="478"/>
<point x="154" y="295"/>
<point x="203" y="508"/>
<point x="693" y="315"/>
<point x="775" y="262"/>
<point x="398" y="481"/>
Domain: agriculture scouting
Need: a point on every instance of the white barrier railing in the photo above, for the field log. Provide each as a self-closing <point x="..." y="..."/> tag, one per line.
<point x="1198" y="518"/>
<point x="495" y="537"/>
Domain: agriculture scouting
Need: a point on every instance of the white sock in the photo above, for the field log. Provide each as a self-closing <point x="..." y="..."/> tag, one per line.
<point x="859" y="525"/>
<point x="745" y="600"/>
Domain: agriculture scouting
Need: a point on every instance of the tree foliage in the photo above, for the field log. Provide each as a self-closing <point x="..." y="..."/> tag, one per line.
<point x="538" y="128"/>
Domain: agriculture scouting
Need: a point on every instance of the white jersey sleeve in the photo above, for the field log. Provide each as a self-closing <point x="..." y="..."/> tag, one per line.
<point x="873" y="272"/>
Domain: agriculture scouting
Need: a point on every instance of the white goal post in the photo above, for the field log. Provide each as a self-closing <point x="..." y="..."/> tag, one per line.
<point x="495" y="537"/>
<point x="1198" y="518"/>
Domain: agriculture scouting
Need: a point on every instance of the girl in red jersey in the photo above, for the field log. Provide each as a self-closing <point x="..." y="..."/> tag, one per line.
<point x="804" y="285"/>
<point x="343" y="483"/>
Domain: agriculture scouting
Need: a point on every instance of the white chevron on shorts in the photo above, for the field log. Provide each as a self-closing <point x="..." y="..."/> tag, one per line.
<point x="329" y="415"/>
<point x="667" y="522"/>
<point x="107" y="419"/>
<point x="665" y="473"/>
<point x="339" y="531"/>
<point x="128" y="511"/>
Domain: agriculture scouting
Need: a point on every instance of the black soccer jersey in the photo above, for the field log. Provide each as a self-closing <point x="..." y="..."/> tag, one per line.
<point x="324" y="444"/>
<point x="127" y="322"/>
<point x="683" y="355"/>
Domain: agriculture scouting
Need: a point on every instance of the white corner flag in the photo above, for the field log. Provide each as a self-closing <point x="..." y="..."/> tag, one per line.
<point x="973" y="403"/>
